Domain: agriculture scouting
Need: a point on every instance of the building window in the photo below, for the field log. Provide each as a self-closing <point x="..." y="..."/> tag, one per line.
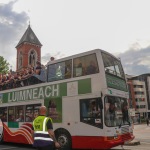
<point x="142" y="106"/>
<point x="139" y="93"/>
<point x="138" y="86"/>
<point x="32" y="57"/>
<point x="20" y="60"/>
<point x="140" y="99"/>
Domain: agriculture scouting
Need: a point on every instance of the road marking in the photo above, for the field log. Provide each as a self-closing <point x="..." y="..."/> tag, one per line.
<point x="8" y="148"/>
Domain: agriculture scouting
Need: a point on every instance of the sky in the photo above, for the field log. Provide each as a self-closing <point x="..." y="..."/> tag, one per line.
<point x="121" y="27"/>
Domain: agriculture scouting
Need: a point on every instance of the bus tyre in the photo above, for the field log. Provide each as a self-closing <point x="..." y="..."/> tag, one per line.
<point x="64" y="138"/>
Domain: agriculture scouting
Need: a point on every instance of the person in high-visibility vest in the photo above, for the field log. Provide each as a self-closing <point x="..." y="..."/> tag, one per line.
<point x="43" y="134"/>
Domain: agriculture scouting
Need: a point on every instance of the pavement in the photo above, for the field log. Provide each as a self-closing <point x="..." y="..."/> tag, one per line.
<point x="141" y="140"/>
<point x="134" y="141"/>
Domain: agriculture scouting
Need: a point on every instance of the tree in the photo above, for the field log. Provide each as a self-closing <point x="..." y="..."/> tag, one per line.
<point x="4" y="65"/>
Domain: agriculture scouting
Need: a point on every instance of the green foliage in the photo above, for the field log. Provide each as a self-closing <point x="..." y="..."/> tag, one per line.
<point x="4" y="65"/>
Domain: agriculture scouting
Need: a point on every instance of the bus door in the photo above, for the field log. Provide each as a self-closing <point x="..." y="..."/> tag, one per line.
<point x="1" y="130"/>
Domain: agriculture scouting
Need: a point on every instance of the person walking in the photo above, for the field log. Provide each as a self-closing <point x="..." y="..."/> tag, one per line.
<point x="147" y="121"/>
<point x="42" y="133"/>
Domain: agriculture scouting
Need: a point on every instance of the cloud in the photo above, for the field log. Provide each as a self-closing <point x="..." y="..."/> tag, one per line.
<point x="46" y="58"/>
<point x="12" y="27"/>
<point x="136" y="62"/>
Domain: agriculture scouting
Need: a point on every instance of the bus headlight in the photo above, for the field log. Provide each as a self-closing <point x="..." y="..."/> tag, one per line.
<point x="112" y="137"/>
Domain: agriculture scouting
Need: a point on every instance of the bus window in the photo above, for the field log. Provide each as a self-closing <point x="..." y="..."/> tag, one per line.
<point x="112" y="65"/>
<point x="32" y="112"/>
<point x="125" y="113"/>
<point x="68" y="69"/>
<point x="52" y="109"/>
<point x="3" y="114"/>
<point x="59" y="71"/>
<point x="85" y="65"/>
<point x="111" y="111"/>
<point x="19" y="113"/>
<point x="118" y="68"/>
<point x="36" y="110"/>
<point x="116" y="111"/>
<point x="29" y="113"/>
<point x="11" y="114"/>
<point x="90" y="112"/>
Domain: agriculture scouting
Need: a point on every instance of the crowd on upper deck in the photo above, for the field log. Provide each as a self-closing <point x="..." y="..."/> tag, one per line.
<point x="26" y="76"/>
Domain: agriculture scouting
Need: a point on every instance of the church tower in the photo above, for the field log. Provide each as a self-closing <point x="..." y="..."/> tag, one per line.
<point x="28" y="50"/>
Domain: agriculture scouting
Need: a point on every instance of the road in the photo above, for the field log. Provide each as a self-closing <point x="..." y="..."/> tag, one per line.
<point x="141" y="132"/>
<point x="10" y="146"/>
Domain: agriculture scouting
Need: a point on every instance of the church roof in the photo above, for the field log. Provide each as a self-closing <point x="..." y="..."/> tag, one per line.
<point x="29" y="37"/>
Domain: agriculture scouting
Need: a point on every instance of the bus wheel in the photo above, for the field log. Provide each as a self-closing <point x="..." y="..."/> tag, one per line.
<point x="1" y="131"/>
<point x="64" y="138"/>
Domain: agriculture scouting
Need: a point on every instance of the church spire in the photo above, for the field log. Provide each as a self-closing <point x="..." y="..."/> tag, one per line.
<point x="29" y="37"/>
<point x="28" y="50"/>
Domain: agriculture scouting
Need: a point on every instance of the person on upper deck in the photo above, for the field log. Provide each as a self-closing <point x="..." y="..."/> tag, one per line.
<point x="91" y="69"/>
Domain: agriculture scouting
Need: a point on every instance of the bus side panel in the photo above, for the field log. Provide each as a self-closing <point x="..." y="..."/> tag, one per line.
<point x="94" y="142"/>
<point x="84" y="136"/>
<point x="21" y="135"/>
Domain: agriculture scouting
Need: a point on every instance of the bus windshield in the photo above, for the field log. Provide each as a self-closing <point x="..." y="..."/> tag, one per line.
<point x="112" y="65"/>
<point x="116" y="111"/>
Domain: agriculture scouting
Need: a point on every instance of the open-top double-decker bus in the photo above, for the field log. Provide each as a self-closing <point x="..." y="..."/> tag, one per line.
<point x="86" y="97"/>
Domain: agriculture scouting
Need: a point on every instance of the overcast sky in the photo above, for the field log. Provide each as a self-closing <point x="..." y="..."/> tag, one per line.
<point x="121" y="27"/>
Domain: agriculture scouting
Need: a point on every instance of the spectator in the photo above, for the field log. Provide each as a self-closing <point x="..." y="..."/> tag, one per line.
<point x="68" y="71"/>
<point x="110" y="115"/>
<point x="4" y="118"/>
<point x="38" y="68"/>
<point x="11" y="118"/>
<point x="30" y="71"/>
<point x="125" y="112"/>
<point x="94" y="110"/>
<point x="20" y="118"/>
<point x="79" y="69"/>
<point x="91" y="69"/>
<point x="51" y="59"/>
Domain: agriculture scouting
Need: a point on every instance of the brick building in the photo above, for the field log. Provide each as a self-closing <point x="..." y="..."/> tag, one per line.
<point x="28" y="50"/>
<point x="138" y="96"/>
